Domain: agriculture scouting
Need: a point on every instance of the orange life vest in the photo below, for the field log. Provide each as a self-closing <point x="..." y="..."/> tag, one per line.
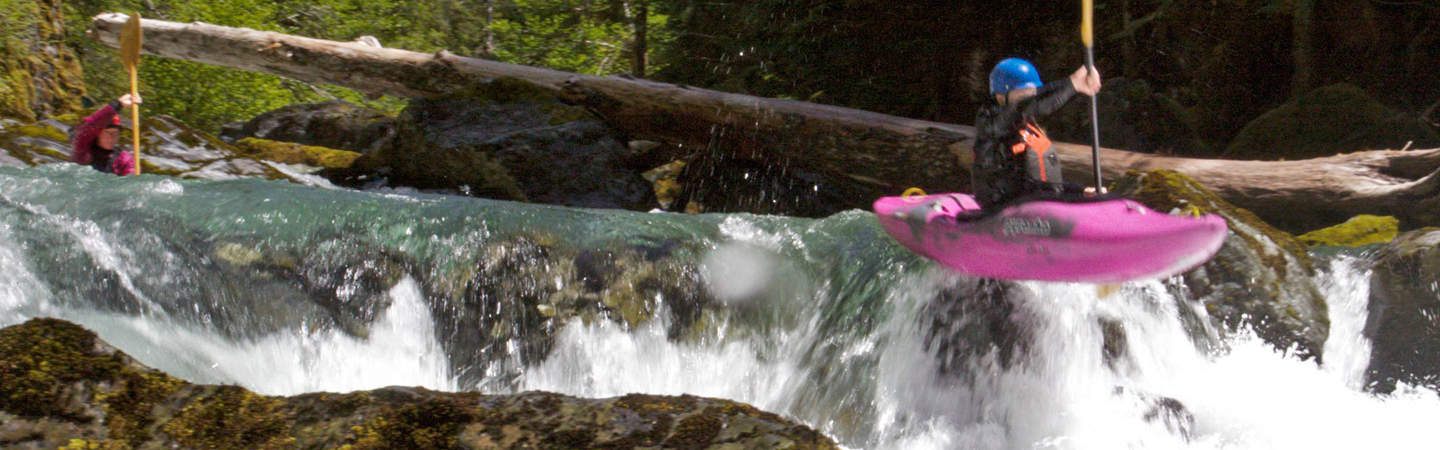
<point x="1041" y="164"/>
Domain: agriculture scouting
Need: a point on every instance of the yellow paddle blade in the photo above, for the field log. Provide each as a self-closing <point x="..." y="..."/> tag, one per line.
<point x="130" y="42"/>
<point x="1086" y="16"/>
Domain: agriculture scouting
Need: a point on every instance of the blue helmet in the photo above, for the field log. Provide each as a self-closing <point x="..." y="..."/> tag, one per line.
<point x="1012" y="74"/>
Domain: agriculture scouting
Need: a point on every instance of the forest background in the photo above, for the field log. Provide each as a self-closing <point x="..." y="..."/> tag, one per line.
<point x="1185" y="77"/>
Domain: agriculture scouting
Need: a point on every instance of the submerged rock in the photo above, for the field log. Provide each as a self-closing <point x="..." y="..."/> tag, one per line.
<point x="1403" y="324"/>
<point x="501" y="311"/>
<point x="1261" y="276"/>
<point x="60" y="385"/>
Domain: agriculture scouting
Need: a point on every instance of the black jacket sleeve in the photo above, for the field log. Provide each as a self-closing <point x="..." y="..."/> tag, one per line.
<point x="1047" y="99"/>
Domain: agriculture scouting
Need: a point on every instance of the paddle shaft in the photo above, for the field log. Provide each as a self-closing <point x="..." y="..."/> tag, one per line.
<point x="1087" y="36"/>
<point x="1094" y="122"/>
<point x="135" y="116"/>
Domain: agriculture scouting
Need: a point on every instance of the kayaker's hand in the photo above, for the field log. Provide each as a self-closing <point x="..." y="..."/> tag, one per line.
<point x="1090" y="191"/>
<point x="128" y="101"/>
<point x="1086" y="81"/>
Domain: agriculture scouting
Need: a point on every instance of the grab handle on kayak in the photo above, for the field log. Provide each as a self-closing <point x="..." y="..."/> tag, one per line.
<point x="913" y="194"/>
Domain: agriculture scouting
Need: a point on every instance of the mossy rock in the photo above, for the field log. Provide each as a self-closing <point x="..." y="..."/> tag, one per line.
<point x="170" y="147"/>
<point x="62" y="387"/>
<point x="34" y="143"/>
<point x="1404" y="305"/>
<point x="1326" y="121"/>
<point x="289" y="153"/>
<point x="1261" y="276"/>
<point x="1360" y="230"/>
<point x="39" y="76"/>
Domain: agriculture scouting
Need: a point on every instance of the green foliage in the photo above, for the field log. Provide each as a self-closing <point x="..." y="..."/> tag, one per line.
<point x="17" y="23"/>
<point x="205" y="96"/>
<point x="590" y="36"/>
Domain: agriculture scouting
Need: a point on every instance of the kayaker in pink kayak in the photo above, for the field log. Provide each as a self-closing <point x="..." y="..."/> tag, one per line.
<point x="1013" y="158"/>
<point x="97" y="137"/>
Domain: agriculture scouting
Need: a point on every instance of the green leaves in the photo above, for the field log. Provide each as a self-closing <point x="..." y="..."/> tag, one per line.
<point x="584" y="36"/>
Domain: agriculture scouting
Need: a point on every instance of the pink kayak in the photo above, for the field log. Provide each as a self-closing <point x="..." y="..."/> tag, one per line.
<point x="1108" y="241"/>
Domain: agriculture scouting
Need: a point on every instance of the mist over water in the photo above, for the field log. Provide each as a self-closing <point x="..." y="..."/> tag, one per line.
<point x="821" y="320"/>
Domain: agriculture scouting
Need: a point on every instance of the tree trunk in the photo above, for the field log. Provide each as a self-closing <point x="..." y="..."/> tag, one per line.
<point x="875" y="153"/>
<point x="1302" y="81"/>
<point x="489" y="27"/>
<point x="641" y="45"/>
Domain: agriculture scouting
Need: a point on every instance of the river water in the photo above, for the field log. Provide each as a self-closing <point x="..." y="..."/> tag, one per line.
<point x="822" y="320"/>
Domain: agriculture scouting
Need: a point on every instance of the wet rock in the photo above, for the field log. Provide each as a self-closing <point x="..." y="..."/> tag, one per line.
<point x="501" y="310"/>
<point x="334" y="124"/>
<point x="1326" y="121"/>
<point x="973" y="318"/>
<point x="1168" y="411"/>
<point x="31" y="144"/>
<point x="1261" y="276"/>
<point x="339" y="281"/>
<point x="1403" y="324"/>
<point x="503" y="141"/>
<point x="169" y="147"/>
<point x="1360" y="230"/>
<point x="62" y="386"/>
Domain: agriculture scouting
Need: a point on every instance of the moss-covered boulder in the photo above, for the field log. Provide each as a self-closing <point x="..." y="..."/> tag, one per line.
<point x="61" y="386"/>
<point x="291" y="153"/>
<point x="25" y="144"/>
<point x="1360" y="230"/>
<point x="1261" y="276"/>
<point x="1403" y="324"/>
<point x="1326" y="121"/>
<point x="39" y="75"/>
<point x="334" y="124"/>
<point x="506" y="141"/>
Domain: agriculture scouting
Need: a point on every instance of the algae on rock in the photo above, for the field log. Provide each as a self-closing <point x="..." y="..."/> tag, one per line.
<point x="1360" y="230"/>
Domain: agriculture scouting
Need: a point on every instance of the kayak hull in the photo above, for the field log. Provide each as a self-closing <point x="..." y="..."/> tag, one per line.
<point x="1110" y="241"/>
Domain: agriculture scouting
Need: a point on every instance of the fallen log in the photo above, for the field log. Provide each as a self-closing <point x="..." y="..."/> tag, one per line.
<point x="879" y="154"/>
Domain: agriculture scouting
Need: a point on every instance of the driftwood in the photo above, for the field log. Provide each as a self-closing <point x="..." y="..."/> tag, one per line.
<point x="879" y="154"/>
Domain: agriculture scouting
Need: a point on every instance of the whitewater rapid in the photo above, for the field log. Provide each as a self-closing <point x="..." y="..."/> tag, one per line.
<point x="864" y="377"/>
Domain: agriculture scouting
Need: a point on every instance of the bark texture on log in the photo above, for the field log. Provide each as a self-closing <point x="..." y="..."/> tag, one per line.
<point x="880" y="154"/>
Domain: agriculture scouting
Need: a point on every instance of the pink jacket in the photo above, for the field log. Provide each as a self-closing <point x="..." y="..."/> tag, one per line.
<point x="88" y="131"/>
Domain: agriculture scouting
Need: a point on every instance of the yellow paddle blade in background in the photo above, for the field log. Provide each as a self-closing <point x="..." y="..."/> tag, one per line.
<point x="130" y="42"/>
<point x="130" y="57"/>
